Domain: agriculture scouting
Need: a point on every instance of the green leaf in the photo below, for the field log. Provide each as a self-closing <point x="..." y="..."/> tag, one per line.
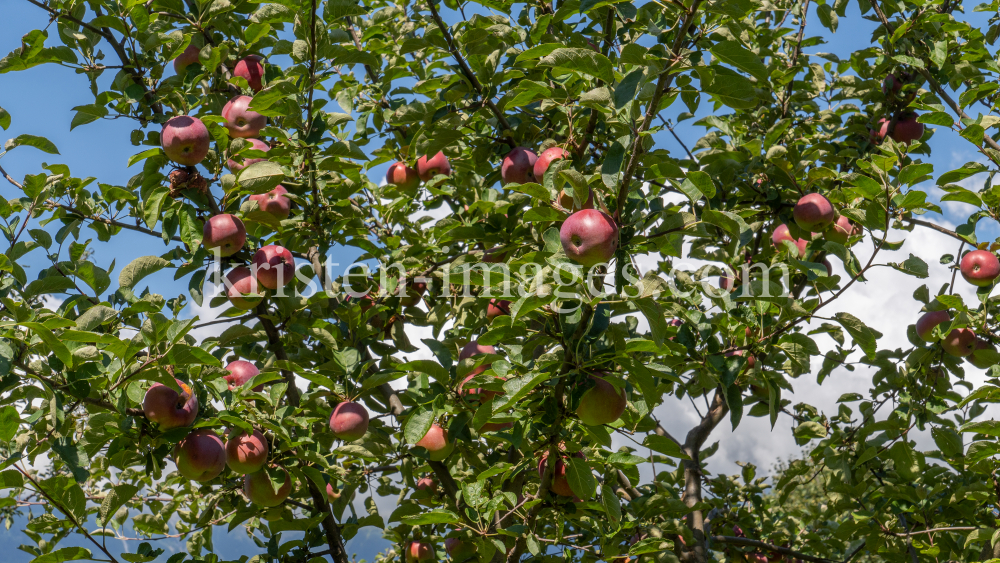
<point x="584" y="61"/>
<point x="703" y="182"/>
<point x="75" y="457"/>
<point x="139" y="269"/>
<point x="439" y="516"/>
<point x="4" y="119"/>
<point x="261" y="177"/>
<point x="418" y="424"/>
<point x="809" y="430"/>
<point x="913" y="266"/>
<point x="116" y="499"/>
<point x="581" y="479"/>
<point x="733" y="53"/>
<point x="64" y="554"/>
<point x="40" y="143"/>
<point x="50" y="340"/>
<point x="657" y="321"/>
<point x="985" y="427"/>
<point x="863" y="336"/>
<point x="9" y="422"/>
<point x="665" y="446"/>
<point x="612" y="505"/>
<point x="733" y="90"/>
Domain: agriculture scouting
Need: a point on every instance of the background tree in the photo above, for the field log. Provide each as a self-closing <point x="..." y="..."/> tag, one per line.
<point x="531" y="129"/>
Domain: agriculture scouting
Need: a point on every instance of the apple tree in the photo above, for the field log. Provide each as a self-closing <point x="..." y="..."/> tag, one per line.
<point x="551" y="269"/>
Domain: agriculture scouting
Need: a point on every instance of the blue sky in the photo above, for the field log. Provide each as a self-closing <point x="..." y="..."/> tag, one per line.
<point x="41" y="99"/>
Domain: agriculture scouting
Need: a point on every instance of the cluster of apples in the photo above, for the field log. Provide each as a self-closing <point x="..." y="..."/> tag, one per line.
<point x="418" y="551"/>
<point x="186" y="141"/>
<point x="980" y="268"/>
<point x="201" y="455"/>
<point x="907" y="128"/>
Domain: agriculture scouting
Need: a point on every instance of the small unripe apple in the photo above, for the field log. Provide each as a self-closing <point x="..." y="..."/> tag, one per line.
<point x="814" y="213"/>
<point x="244" y="292"/>
<point x="255" y="144"/>
<point x="436" y="443"/>
<point x="980" y="268"/>
<point x="185" y="140"/>
<point x="241" y="121"/>
<point x="926" y="324"/>
<point x="349" y="421"/>
<point x="459" y="550"/>
<point x="246" y="453"/>
<point x="518" y="166"/>
<point x="437" y="164"/>
<point x="188" y="57"/>
<point x="402" y="176"/>
<point x="258" y="489"/>
<point x="274" y="266"/>
<point x="959" y="342"/>
<point x="168" y="408"/>
<point x="601" y="404"/>
<point x="840" y="231"/>
<point x="497" y="308"/>
<point x="419" y="552"/>
<point x="907" y="129"/>
<point x="566" y="201"/>
<point x="274" y="202"/>
<point x="224" y="232"/>
<point x="978" y="358"/>
<point x="782" y="233"/>
<point x="200" y="456"/>
<point x="545" y="159"/>
<point x="252" y="69"/>
<point x="589" y="237"/>
<point x="240" y="372"/>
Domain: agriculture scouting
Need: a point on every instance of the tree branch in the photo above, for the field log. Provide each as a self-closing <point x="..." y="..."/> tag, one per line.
<point x="770" y="547"/>
<point x="692" y="471"/>
<point x="501" y="120"/>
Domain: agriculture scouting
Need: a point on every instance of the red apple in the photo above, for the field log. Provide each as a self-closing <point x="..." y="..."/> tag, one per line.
<point x="545" y="159"/>
<point x="782" y="233"/>
<point x="244" y="292"/>
<point x="729" y="283"/>
<point x="892" y="86"/>
<point x="438" y="164"/>
<point x="188" y="57"/>
<point x="402" y="176"/>
<point x="246" y="453"/>
<point x="414" y="292"/>
<point x="814" y="213"/>
<point x="497" y="308"/>
<point x="332" y="494"/>
<point x="252" y="69"/>
<point x="926" y="324"/>
<point x="566" y="201"/>
<point x="418" y="552"/>
<point x="589" y="237"/>
<point x="959" y="342"/>
<point x="840" y="231"/>
<point x="601" y="404"/>
<point x="241" y="121"/>
<point x="200" y="456"/>
<point x="560" y="483"/>
<point x="977" y="358"/>
<point x="240" y="372"/>
<point x="980" y="268"/>
<point x="274" y="202"/>
<point x="185" y="140"/>
<point x="258" y="489"/>
<point x="495" y="255"/>
<point x="168" y="408"/>
<point x="907" y="129"/>
<point x="436" y="443"/>
<point x="459" y="550"/>
<point x="475" y="349"/>
<point x="224" y="234"/>
<point x="274" y="266"/>
<point x="349" y="421"/>
<point x="255" y="144"/>
<point x="518" y="166"/>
